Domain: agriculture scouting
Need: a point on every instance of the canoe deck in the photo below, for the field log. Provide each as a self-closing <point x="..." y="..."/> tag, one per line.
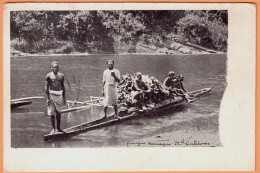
<point x="84" y="127"/>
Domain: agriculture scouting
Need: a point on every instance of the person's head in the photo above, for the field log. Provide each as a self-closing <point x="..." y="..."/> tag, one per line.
<point x="110" y="64"/>
<point x="152" y="79"/>
<point x="127" y="78"/>
<point x="181" y="78"/>
<point x="139" y="76"/>
<point x="55" y="67"/>
<point x="171" y="74"/>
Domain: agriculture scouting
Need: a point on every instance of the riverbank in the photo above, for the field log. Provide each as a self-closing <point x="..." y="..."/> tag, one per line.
<point x="174" y="48"/>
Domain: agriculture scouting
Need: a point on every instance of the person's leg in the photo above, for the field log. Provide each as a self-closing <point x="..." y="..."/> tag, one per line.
<point x="51" y="113"/>
<point x="53" y="123"/>
<point x="115" y="108"/>
<point x="58" y="118"/>
<point x="180" y="92"/>
<point x="144" y="101"/>
<point x="105" y="111"/>
<point x="138" y="98"/>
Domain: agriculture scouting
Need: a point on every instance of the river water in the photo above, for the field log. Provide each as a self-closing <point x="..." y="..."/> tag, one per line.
<point x="30" y="123"/>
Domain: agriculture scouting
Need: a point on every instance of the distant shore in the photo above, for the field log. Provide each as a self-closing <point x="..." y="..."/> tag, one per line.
<point x="86" y="54"/>
<point x="147" y="50"/>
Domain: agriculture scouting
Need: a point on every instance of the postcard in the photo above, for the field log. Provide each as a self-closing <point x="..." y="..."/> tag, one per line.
<point x="129" y="87"/>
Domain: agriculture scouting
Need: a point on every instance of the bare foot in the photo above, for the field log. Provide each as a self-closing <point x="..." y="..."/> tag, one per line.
<point x="191" y="100"/>
<point x="104" y="117"/>
<point x="59" y="130"/>
<point x="52" y="132"/>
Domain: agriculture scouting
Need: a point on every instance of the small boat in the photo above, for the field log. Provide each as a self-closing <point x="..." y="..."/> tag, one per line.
<point x="88" y="126"/>
<point x="20" y="103"/>
<point x="23" y="101"/>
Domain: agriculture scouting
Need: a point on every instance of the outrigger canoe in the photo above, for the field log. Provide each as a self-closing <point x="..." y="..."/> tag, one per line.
<point x="88" y="126"/>
<point x="23" y="101"/>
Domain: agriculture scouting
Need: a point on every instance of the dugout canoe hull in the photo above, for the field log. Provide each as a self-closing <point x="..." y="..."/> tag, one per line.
<point x="88" y="126"/>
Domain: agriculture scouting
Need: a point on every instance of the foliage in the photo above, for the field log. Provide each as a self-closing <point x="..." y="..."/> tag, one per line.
<point x="114" y="31"/>
<point x="204" y="28"/>
<point x="219" y="34"/>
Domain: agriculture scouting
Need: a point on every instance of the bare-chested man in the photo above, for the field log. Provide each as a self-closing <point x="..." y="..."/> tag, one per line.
<point x="55" y="91"/>
<point x="174" y="85"/>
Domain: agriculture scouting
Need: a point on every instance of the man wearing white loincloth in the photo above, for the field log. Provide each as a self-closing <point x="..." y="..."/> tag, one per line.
<point x="111" y="77"/>
<point x="55" y="91"/>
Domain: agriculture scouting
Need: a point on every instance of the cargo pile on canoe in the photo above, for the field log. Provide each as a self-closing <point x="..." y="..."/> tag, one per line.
<point x="129" y="97"/>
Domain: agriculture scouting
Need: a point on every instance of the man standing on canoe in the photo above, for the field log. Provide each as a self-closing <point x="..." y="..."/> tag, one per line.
<point x="111" y="77"/>
<point x="55" y="91"/>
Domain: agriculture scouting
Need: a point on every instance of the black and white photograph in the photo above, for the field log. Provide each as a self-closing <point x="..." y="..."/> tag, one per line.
<point x="120" y="78"/>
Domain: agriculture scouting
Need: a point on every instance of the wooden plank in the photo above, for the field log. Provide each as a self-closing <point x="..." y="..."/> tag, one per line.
<point x="85" y="102"/>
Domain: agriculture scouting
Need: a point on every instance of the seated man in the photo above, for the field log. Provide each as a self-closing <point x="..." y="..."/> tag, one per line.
<point x="158" y="92"/>
<point x="141" y="91"/>
<point x="175" y="86"/>
<point x="168" y="83"/>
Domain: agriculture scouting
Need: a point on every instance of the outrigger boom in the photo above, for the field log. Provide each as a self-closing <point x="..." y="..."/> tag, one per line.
<point x="94" y="101"/>
<point x="84" y="127"/>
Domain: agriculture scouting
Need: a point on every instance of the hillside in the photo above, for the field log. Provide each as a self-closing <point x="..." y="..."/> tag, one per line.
<point x="118" y="32"/>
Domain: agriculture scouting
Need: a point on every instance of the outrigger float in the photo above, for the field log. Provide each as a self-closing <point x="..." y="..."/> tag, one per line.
<point x="23" y="101"/>
<point x="88" y="126"/>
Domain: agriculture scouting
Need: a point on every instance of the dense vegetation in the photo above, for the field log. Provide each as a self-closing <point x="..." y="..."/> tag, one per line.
<point x="115" y="31"/>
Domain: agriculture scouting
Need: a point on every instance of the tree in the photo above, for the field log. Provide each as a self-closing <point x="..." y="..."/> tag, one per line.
<point x="206" y="28"/>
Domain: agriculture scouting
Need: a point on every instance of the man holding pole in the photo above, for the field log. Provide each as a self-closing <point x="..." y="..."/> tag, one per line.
<point x="55" y="91"/>
<point x="111" y="77"/>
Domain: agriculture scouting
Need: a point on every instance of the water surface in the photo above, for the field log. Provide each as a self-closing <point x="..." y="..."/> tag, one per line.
<point x="29" y="123"/>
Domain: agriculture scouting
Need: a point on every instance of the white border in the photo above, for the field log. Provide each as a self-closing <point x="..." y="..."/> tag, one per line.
<point x="237" y="114"/>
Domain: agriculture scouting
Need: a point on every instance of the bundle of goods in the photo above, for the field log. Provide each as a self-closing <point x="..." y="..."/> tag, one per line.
<point x="130" y="98"/>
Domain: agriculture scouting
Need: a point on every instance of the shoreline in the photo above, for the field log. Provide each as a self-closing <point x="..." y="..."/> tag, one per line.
<point x="175" y="48"/>
<point x="87" y="54"/>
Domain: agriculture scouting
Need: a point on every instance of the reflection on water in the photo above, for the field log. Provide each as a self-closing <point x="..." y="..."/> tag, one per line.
<point x="30" y="123"/>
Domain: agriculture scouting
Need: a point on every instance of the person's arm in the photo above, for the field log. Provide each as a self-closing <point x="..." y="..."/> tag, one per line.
<point x="116" y="76"/>
<point x="122" y="81"/>
<point x="160" y="86"/>
<point x="47" y="86"/>
<point x="175" y="80"/>
<point x="165" y="84"/>
<point x="64" y="91"/>
<point x="147" y="87"/>
<point x="182" y="87"/>
<point x="136" y="86"/>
